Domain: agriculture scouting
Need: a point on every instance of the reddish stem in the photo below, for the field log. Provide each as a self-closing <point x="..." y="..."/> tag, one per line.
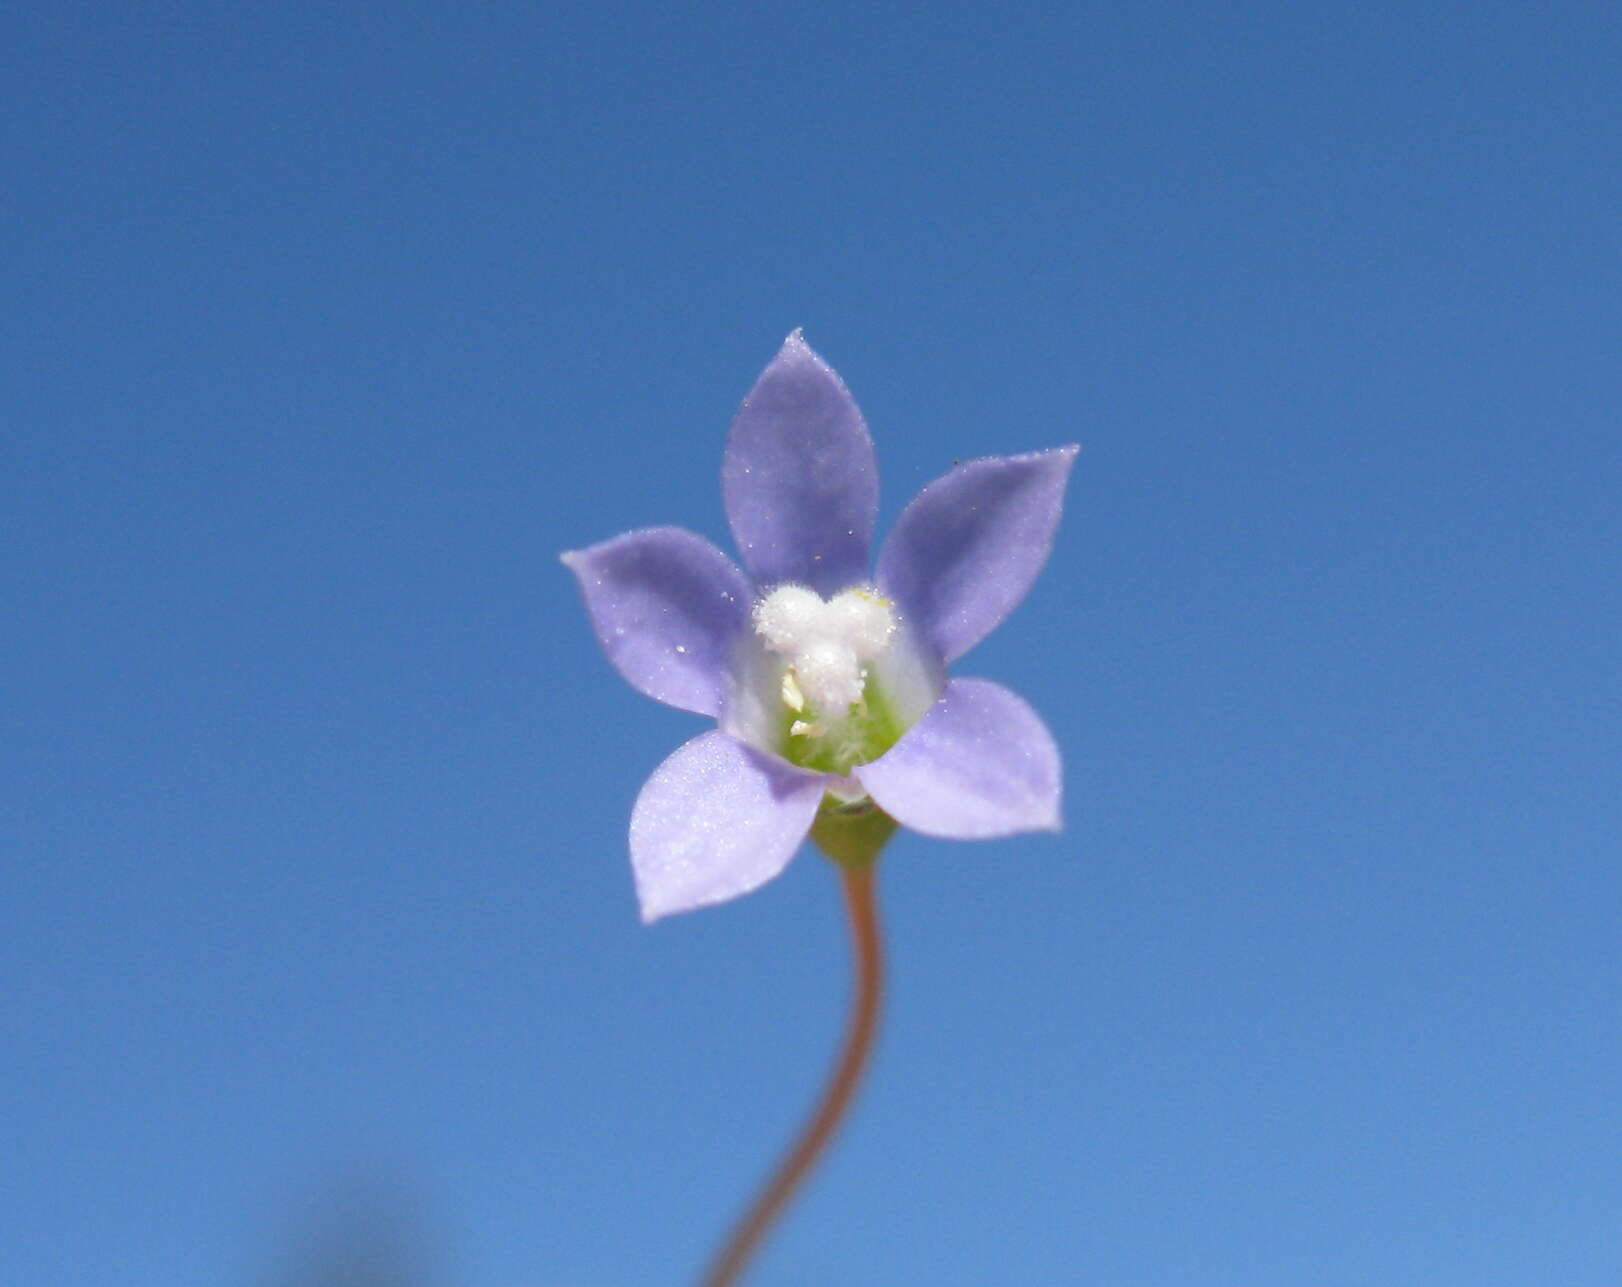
<point x="824" y="1123"/>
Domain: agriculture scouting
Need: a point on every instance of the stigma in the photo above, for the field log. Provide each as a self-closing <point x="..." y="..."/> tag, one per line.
<point x="827" y="644"/>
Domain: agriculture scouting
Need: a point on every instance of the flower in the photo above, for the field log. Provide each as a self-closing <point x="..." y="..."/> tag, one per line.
<point x="829" y="687"/>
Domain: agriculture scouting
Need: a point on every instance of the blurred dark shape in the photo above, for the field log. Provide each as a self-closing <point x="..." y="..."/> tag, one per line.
<point x="367" y="1233"/>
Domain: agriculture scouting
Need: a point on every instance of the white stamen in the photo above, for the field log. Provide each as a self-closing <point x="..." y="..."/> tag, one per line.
<point x="828" y="674"/>
<point x="793" y="698"/>
<point x="825" y="643"/>
<point x="865" y="620"/>
<point x="789" y="618"/>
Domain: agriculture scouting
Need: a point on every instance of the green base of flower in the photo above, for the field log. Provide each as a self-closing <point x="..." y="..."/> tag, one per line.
<point x="841" y="742"/>
<point x="852" y="835"/>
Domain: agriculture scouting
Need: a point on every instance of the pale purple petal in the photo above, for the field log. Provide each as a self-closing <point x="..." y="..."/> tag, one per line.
<point x="717" y="819"/>
<point x="967" y="549"/>
<point x="668" y="607"/>
<point x="799" y="480"/>
<point x="909" y="674"/>
<point x="981" y="764"/>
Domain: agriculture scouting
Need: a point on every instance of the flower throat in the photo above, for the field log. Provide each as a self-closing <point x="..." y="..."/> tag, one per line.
<point x="833" y="716"/>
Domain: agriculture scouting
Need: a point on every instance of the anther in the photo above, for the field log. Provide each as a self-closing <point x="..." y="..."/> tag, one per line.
<point x="825" y="642"/>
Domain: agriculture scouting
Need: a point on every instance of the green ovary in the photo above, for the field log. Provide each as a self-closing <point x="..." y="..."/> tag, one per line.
<point x="868" y="729"/>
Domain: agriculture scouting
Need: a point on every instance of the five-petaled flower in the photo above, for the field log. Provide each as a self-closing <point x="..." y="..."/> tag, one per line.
<point x="829" y="686"/>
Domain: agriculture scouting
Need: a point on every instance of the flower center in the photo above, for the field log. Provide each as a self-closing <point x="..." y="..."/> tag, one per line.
<point x="834" y="717"/>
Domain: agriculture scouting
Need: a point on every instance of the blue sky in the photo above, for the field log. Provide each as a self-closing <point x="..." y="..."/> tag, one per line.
<point x="326" y="329"/>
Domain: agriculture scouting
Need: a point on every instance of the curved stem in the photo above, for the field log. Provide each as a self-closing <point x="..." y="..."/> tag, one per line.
<point x="824" y="1123"/>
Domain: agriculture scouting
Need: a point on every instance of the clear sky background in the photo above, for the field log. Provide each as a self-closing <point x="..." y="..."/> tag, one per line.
<point x="323" y="329"/>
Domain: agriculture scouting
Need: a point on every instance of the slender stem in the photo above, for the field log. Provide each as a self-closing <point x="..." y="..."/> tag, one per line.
<point x="836" y="1100"/>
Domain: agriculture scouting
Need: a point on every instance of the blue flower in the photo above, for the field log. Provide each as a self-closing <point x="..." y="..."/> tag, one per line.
<point x="828" y="683"/>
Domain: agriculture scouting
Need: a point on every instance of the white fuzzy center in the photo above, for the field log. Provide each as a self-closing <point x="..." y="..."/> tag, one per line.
<point x="828" y="643"/>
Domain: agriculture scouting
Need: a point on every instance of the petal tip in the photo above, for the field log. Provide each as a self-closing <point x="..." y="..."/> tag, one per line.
<point x="655" y="905"/>
<point x="796" y="349"/>
<point x="651" y="908"/>
<point x="650" y="911"/>
<point x="654" y="899"/>
<point x="1064" y="456"/>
